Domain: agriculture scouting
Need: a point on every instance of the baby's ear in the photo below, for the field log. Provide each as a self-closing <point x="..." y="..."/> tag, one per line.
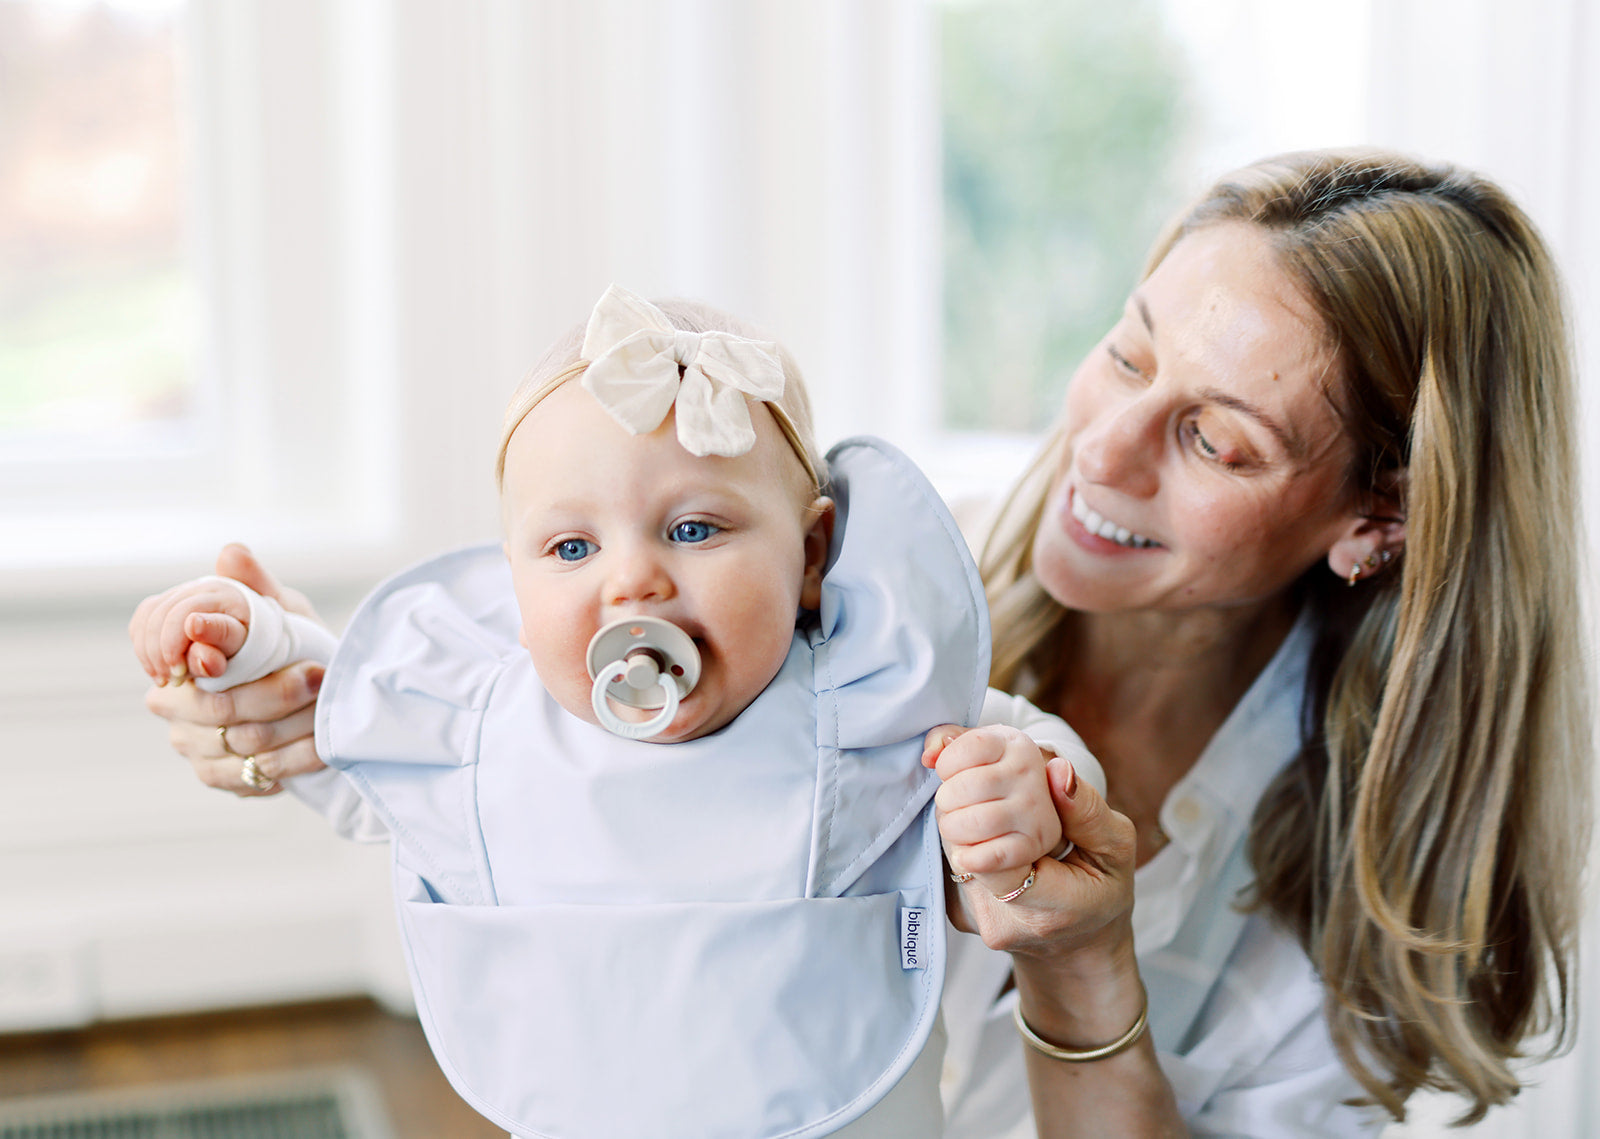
<point x="821" y="515"/>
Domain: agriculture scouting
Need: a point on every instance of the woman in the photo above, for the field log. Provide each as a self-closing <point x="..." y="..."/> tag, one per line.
<point x="1300" y="565"/>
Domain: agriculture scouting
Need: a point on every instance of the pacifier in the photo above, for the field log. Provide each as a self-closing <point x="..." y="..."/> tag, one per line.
<point x="640" y="662"/>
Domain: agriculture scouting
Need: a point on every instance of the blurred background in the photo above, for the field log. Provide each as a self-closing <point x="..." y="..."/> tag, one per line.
<point x="269" y="269"/>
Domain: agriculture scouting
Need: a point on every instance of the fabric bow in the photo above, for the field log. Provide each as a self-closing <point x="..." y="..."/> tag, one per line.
<point x="635" y="354"/>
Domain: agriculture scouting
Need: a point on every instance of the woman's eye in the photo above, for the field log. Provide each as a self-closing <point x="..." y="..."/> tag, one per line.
<point x="694" y="531"/>
<point x="1206" y="448"/>
<point x="1123" y="364"/>
<point x="573" y="549"/>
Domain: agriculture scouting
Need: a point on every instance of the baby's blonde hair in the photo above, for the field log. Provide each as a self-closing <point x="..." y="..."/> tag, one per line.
<point x="562" y="362"/>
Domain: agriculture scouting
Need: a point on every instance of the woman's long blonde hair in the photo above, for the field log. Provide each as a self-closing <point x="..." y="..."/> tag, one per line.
<point x="1426" y="845"/>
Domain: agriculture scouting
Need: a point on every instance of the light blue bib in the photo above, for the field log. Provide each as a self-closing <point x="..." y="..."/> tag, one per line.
<point x="740" y="935"/>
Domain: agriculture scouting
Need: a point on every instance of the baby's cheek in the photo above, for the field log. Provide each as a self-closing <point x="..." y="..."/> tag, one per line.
<point x="559" y="663"/>
<point x="747" y="658"/>
<point x="778" y="643"/>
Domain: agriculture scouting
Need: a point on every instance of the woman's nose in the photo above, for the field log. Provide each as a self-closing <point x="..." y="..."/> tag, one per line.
<point x="635" y="573"/>
<point x="1121" y="448"/>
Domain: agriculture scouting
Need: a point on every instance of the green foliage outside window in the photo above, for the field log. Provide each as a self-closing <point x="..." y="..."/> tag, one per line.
<point x="98" y="309"/>
<point x="1061" y="126"/>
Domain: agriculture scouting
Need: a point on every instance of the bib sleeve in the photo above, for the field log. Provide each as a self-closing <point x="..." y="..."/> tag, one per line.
<point x="402" y="707"/>
<point x="902" y="645"/>
<point x="904" y="636"/>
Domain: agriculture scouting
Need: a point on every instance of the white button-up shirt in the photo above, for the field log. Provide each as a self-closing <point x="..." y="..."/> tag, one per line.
<point x="1235" y="1007"/>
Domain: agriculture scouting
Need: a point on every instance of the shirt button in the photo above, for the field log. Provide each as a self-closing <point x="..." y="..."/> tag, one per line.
<point x="1187" y="811"/>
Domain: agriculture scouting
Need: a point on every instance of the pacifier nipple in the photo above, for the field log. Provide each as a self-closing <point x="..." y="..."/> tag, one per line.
<point x="641" y="662"/>
<point x="641" y="669"/>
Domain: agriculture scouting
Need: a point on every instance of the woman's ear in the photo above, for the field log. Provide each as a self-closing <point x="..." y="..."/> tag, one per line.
<point x="818" y="538"/>
<point x="1376" y="537"/>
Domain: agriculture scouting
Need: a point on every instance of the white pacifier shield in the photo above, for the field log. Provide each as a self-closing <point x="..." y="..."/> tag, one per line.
<point x="638" y="688"/>
<point x="640" y="662"/>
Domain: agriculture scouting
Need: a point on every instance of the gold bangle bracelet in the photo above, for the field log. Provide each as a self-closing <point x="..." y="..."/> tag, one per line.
<point x="1122" y="1043"/>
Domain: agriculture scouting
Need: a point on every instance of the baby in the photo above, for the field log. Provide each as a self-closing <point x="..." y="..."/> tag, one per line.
<point x="740" y="933"/>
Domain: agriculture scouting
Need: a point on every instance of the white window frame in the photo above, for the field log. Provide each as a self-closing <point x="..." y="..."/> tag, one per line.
<point x="399" y="204"/>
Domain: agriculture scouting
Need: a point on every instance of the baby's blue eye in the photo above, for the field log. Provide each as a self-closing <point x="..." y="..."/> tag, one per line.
<point x="695" y="531"/>
<point x="573" y="549"/>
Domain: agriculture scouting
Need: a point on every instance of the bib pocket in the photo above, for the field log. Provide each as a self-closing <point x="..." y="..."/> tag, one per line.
<point x="740" y="1019"/>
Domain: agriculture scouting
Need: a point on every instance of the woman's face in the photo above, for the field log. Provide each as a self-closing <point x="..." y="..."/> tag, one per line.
<point x="1204" y="463"/>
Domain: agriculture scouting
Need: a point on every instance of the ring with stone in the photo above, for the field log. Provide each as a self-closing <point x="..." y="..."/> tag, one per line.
<point x="254" y="777"/>
<point x="1033" y="873"/>
<point x="222" y="737"/>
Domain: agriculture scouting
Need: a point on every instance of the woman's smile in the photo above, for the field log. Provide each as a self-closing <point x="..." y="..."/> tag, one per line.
<point x="1097" y="526"/>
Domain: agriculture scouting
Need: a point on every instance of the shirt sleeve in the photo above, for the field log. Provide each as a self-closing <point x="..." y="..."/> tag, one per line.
<point x="1050" y="732"/>
<point x="329" y="794"/>
<point x="1302" y="1090"/>
<point x="1261" y="1061"/>
<point x="1263" y="1066"/>
<point x="274" y="638"/>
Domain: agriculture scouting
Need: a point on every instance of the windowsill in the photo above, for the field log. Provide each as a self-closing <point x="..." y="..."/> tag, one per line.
<point x="105" y="561"/>
<point x="83" y="563"/>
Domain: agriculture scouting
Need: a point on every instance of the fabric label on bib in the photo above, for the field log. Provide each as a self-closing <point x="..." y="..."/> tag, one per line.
<point x="911" y="921"/>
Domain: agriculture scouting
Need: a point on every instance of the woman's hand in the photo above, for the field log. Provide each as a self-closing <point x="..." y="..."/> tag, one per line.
<point x="1078" y="987"/>
<point x="1074" y="905"/>
<point x="270" y="719"/>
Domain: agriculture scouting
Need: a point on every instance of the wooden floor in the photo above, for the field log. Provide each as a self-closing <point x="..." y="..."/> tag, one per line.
<point x="420" y="1103"/>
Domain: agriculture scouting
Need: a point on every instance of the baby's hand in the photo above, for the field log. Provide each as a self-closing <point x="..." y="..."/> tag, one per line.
<point x="996" y="815"/>
<point x="190" y="630"/>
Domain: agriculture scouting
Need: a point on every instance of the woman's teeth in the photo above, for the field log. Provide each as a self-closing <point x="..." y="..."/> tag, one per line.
<point x="1110" y="531"/>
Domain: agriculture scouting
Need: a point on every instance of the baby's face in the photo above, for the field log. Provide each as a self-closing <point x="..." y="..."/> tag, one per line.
<point x="601" y="524"/>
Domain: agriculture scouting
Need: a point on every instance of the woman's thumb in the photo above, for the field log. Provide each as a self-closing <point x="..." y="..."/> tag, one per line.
<point x="237" y="562"/>
<point x="1063" y="779"/>
<point x="1086" y="820"/>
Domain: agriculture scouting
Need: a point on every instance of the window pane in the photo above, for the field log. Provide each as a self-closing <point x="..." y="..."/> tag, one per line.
<point x="1062" y="122"/>
<point x="97" y="307"/>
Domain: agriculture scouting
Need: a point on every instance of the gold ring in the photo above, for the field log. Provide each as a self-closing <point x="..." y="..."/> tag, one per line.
<point x="222" y="736"/>
<point x="253" y="776"/>
<point x="1022" y="889"/>
<point x="962" y="879"/>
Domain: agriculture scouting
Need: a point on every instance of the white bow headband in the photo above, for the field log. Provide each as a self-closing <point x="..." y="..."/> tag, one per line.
<point x="634" y="355"/>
